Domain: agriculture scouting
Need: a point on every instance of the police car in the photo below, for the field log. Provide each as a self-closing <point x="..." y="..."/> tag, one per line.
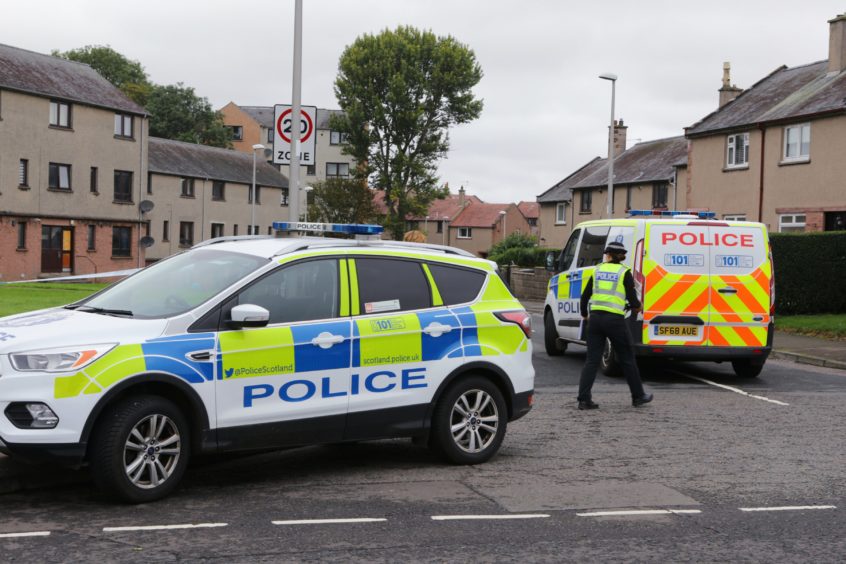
<point x="254" y="343"/>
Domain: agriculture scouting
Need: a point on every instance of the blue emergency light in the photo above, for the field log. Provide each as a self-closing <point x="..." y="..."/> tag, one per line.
<point x="672" y="213"/>
<point x="342" y="228"/>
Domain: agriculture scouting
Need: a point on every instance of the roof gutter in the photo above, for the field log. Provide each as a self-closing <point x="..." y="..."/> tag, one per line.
<point x="771" y="123"/>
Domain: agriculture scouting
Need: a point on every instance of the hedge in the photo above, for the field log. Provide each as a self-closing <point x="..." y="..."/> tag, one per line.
<point x="810" y="272"/>
<point x="521" y="256"/>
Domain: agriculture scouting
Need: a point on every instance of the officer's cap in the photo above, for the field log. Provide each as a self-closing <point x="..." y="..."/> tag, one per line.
<point x="615" y="247"/>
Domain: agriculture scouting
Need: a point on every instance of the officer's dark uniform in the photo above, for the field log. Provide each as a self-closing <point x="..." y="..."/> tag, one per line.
<point x="606" y="294"/>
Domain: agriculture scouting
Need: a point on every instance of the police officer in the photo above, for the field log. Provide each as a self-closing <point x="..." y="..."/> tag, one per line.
<point x="607" y="292"/>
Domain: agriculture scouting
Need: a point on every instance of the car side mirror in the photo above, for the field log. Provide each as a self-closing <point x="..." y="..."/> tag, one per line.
<point x="248" y="315"/>
<point x="550" y="261"/>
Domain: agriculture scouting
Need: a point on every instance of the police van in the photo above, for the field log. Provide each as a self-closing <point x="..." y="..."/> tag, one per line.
<point x="706" y="287"/>
<point x="257" y="343"/>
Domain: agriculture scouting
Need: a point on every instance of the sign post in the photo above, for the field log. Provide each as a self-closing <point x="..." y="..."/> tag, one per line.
<point x="282" y="138"/>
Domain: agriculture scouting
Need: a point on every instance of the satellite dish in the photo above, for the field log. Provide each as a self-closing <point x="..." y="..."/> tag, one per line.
<point x="146" y="205"/>
<point x="146" y="242"/>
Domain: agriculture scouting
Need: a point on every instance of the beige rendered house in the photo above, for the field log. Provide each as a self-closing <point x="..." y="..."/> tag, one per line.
<point x="435" y="224"/>
<point x="73" y="165"/>
<point x="775" y="152"/>
<point x="479" y="226"/>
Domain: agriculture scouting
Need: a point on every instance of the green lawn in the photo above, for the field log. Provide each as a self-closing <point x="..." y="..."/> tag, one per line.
<point x="823" y="325"/>
<point x="17" y="298"/>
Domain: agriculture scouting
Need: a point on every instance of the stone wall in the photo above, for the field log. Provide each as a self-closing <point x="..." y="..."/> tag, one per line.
<point x="528" y="283"/>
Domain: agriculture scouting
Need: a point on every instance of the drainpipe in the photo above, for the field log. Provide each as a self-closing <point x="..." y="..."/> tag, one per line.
<point x="141" y="182"/>
<point x="761" y="180"/>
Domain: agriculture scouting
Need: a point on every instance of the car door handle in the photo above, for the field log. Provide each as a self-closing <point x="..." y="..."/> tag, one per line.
<point x="200" y="356"/>
<point x="728" y="290"/>
<point x="436" y="329"/>
<point x="326" y="340"/>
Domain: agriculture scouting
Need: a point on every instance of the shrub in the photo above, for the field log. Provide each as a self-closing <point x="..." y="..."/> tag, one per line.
<point x="809" y="272"/>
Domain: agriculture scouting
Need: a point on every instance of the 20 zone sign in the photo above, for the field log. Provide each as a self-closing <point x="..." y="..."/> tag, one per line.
<point x="282" y="135"/>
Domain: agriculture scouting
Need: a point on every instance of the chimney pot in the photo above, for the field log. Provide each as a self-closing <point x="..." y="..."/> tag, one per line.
<point x="728" y="91"/>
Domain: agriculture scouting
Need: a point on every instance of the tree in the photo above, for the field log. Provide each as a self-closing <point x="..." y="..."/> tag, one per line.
<point x="341" y="200"/>
<point x="129" y="76"/>
<point x="178" y="113"/>
<point x="400" y="91"/>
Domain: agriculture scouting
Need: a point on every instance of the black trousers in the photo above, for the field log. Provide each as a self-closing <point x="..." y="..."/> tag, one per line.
<point x="606" y="325"/>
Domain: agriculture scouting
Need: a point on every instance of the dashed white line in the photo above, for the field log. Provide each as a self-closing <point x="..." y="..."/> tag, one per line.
<point x="164" y="527"/>
<point x="330" y="521"/>
<point x="640" y="512"/>
<point x="488" y="517"/>
<point x="731" y="389"/>
<point x="18" y="535"/>
<point x="788" y="508"/>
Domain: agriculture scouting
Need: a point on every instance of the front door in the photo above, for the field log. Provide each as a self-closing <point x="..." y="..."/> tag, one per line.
<point x="835" y="221"/>
<point x="56" y="248"/>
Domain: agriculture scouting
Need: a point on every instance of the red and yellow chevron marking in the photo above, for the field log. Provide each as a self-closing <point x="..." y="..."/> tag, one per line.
<point x="668" y="293"/>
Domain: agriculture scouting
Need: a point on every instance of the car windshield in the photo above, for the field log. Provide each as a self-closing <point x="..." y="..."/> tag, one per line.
<point x="175" y="285"/>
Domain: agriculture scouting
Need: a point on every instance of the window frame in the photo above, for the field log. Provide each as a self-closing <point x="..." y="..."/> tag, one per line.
<point x="23" y="173"/>
<point x="59" y="167"/>
<point x="237" y="132"/>
<point x="732" y="150"/>
<point x="337" y="137"/>
<point x="792" y="223"/>
<point x="121" y="126"/>
<point x="94" y="180"/>
<point x="217" y="226"/>
<point x="186" y="242"/>
<point x="468" y="233"/>
<point x="657" y="189"/>
<point x="59" y="104"/>
<point x="799" y="158"/>
<point x="21" y="234"/>
<point x="186" y="187"/>
<point x="561" y="213"/>
<point x="122" y="229"/>
<point x="166" y="230"/>
<point x="92" y="237"/>
<point x="338" y="170"/>
<point x="734" y="217"/>
<point x="127" y="174"/>
<point x="586" y="201"/>
<point x="250" y="194"/>
<point x="218" y="191"/>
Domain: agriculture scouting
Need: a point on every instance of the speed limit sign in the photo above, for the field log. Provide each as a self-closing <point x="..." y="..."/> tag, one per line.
<point x="285" y="125"/>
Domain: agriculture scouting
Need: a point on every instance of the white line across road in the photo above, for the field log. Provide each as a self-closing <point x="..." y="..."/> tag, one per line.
<point x="730" y="388"/>
<point x="488" y="517"/>
<point x="788" y="508"/>
<point x="640" y="512"/>
<point x="330" y="521"/>
<point x="19" y="535"/>
<point x="164" y="527"/>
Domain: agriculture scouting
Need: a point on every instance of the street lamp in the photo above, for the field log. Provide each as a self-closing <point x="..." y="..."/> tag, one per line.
<point x="445" y="229"/>
<point x="306" y="189"/>
<point x="502" y="217"/>
<point x="256" y="147"/>
<point x="610" y="208"/>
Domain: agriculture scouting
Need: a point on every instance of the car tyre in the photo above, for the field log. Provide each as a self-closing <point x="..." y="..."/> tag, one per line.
<point x="469" y="422"/>
<point x="552" y="343"/>
<point x="140" y="449"/>
<point x="608" y="362"/>
<point x="746" y="368"/>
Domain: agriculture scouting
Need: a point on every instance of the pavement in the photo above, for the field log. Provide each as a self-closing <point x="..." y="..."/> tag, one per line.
<point x="17" y="476"/>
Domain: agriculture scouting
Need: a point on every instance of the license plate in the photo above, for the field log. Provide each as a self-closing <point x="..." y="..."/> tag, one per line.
<point x="676" y="330"/>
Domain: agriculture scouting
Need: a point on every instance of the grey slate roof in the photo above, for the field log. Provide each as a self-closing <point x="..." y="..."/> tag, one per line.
<point x="200" y="161"/>
<point x="785" y="94"/>
<point x="563" y="190"/>
<point x="264" y="116"/>
<point x="53" y="77"/>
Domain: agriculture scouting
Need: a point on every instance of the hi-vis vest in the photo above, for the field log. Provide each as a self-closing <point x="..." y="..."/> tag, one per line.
<point x="608" y="291"/>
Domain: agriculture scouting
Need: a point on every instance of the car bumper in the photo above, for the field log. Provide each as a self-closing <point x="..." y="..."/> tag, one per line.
<point x="64" y="454"/>
<point x="676" y="352"/>
<point x="522" y="404"/>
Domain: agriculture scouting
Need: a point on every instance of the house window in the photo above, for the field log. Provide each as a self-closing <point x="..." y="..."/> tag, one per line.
<point x="797" y="142"/>
<point x="252" y="230"/>
<point x="121" y="241"/>
<point x="586" y="201"/>
<point x="311" y="170"/>
<point x="284" y="199"/>
<point x="465" y="232"/>
<point x="440" y="227"/>
<point x="735" y="217"/>
<point x="187" y="188"/>
<point x="737" y="150"/>
<point x="659" y="195"/>
<point x="123" y="125"/>
<point x="166" y="230"/>
<point x="21" y="235"/>
<point x="60" y="114"/>
<point x="560" y="213"/>
<point x="270" y="135"/>
<point x="59" y="177"/>
<point x="235" y="229"/>
<point x="337" y="138"/>
<point x="23" y="173"/>
<point x="149" y="182"/>
<point x="186" y="233"/>
<point x="237" y="132"/>
<point x="628" y="197"/>
<point x="217" y="190"/>
<point x="337" y="170"/>
<point x="92" y="237"/>
<point x="250" y="195"/>
<point x="791" y="223"/>
<point x="216" y="230"/>
<point x="123" y="186"/>
<point x="94" y="179"/>
<point x="270" y="230"/>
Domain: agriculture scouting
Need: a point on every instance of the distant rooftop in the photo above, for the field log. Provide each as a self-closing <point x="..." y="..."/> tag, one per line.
<point x="264" y="116"/>
<point x="480" y="215"/>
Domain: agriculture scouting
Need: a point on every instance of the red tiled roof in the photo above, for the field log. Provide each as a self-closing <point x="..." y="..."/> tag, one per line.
<point x="447" y="207"/>
<point x="529" y="210"/>
<point x="480" y="215"/>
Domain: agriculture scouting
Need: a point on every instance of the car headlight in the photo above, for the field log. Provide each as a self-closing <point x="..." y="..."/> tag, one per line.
<point x="58" y="360"/>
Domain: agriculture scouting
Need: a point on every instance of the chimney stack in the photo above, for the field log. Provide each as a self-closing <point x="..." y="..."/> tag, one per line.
<point x="728" y="91"/>
<point x="619" y="137"/>
<point x="461" y="197"/>
<point x="837" y="44"/>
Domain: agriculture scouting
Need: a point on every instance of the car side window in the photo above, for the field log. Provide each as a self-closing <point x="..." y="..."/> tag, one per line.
<point x="569" y="251"/>
<point x="386" y="285"/>
<point x="592" y="247"/>
<point x="302" y="291"/>
<point x="456" y="285"/>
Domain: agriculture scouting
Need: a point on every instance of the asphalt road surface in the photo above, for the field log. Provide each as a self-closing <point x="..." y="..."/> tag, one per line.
<point x="717" y="468"/>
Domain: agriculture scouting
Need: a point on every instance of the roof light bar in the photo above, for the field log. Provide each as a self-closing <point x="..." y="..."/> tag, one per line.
<point x="672" y="213"/>
<point x="344" y="228"/>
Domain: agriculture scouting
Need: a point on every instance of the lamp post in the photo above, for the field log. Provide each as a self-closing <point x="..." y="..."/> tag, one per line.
<point x="502" y="217"/>
<point x="307" y="189"/>
<point x="256" y="147"/>
<point x="610" y="208"/>
<point x="445" y="230"/>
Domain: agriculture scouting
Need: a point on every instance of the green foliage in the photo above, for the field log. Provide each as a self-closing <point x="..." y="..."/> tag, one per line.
<point x="400" y="91"/>
<point x="809" y="272"/>
<point x="178" y="113"/>
<point x="520" y="249"/>
<point x="124" y="73"/>
<point x="832" y="326"/>
<point x="19" y="298"/>
<point x="341" y="200"/>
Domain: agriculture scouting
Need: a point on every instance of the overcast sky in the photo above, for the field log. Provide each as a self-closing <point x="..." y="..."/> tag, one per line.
<point x="546" y="113"/>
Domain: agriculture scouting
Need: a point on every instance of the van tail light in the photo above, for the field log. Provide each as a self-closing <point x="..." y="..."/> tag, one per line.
<point x="640" y="281"/>
<point x="520" y="317"/>
<point x="772" y="283"/>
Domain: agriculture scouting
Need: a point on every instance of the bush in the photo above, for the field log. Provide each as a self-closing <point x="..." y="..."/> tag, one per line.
<point x="526" y="257"/>
<point x="809" y="272"/>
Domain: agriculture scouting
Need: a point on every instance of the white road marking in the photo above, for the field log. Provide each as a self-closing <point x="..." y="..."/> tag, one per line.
<point x="640" y="512"/>
<point x="488" y="517"/>
<point x="789" y="508"/>
<point x="330" y="521"/>
<point x="165" y="527"/>
<point x="730" y="388"/>
<point x="18" y="535"/>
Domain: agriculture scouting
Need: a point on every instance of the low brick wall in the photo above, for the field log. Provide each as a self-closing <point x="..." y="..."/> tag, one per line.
<point x="529" y="283"/>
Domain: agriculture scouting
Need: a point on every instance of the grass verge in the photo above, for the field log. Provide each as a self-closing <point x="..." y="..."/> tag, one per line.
<point x="828" y="325"/>
<point x="18" y="298"/>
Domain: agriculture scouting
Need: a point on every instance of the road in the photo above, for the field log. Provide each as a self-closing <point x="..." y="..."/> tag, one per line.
<point x="716" y="469"/>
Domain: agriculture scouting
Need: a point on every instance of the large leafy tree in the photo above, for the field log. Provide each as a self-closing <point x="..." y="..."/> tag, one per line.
<point x="126" y="74"/>
<point x="341" y="200"/>
<point x="400" y="91"/>
<point x="178" y="113"/>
